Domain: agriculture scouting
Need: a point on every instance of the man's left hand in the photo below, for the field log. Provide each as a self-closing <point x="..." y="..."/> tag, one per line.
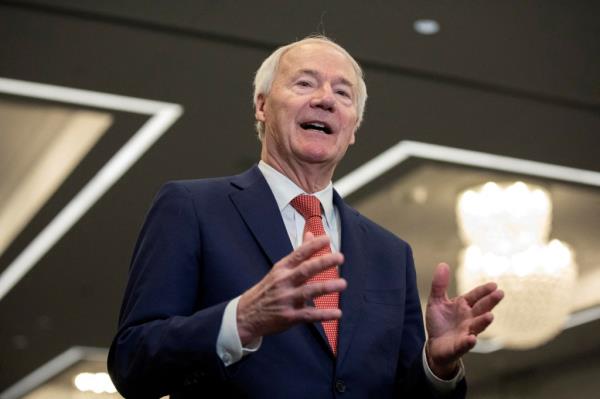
<point x="453" y="324"/>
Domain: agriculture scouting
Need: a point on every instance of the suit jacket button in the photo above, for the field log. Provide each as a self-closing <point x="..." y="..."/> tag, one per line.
<point x="340" y="386"/>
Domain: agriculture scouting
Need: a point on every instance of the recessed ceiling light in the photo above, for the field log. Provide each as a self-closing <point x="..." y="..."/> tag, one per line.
<point x="94" y="382"/>
<point x="426" y="26"/>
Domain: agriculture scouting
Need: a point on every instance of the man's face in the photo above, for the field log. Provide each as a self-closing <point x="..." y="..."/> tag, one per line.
<point x="310" y="113"/>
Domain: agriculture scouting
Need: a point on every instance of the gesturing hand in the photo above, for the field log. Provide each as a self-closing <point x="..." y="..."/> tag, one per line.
<point x="453" y="324"/>
<point x="279" y="300"/>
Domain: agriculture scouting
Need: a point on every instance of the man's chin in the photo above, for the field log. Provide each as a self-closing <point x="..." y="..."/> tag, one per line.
<point x="318" y="160"/>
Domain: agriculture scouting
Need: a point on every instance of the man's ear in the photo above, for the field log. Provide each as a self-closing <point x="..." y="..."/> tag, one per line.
<point x="353" y="138"/>
<point x="259" y="107"/>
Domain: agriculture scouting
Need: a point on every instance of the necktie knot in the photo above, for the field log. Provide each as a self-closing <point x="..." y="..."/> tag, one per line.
<point x="307" y="205"/>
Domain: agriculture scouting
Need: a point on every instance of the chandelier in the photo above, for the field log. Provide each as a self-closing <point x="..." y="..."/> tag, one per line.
<point x="506" y="230"/>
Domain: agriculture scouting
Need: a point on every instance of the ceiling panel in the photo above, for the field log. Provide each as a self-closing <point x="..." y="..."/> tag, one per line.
<point x="545" y="47"/>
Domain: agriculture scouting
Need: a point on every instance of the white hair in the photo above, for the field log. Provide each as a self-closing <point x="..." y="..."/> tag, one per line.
<point x="265" y="75"/>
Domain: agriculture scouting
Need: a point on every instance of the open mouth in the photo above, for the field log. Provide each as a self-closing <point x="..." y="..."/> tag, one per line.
<point x="319" y="126"/>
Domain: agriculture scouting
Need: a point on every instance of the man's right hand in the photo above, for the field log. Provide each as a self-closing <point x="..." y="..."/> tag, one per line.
<point x="281" y="299"/>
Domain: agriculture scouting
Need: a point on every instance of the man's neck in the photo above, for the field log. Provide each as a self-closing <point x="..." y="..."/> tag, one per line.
<point x="309" y="177"/>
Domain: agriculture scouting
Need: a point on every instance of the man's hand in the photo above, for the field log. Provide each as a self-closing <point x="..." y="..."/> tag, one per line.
<point x="453" y="324"/>
<point x="280" y="300"/>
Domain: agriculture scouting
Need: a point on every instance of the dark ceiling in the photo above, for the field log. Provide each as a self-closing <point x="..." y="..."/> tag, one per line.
<point x="513" y="78"/>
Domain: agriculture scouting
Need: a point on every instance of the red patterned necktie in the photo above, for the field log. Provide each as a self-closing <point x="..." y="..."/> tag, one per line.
<point x="309" y="207"/>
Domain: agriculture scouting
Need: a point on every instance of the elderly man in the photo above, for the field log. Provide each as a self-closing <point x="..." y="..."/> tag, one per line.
<point x="267" y="284"/>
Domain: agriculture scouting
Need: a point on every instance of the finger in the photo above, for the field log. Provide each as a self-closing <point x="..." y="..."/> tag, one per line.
<point x="487" y="303"/>
<point x="480" y="323"/>
<point x="311" y="314"/>
<point x="313" y="266"/>
<point x="305" y="251"/>
<point x="465" y="344"/>
<point x="308" y="236"/>
<point x="310" y="291"/>
<point x="479" y="292"/>
<point x="439" y="284"/>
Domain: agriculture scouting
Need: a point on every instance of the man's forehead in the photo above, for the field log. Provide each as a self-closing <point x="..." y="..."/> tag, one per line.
<point x="311" y="56"/>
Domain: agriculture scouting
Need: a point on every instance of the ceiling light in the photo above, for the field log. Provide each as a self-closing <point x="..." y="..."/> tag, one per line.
<point x="94" y="382"/>
<point x="419" y="194"/>
<point x="506" y="229"/>
<point x="426" y="26"/>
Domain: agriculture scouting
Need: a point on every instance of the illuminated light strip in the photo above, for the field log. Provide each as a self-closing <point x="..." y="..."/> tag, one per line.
<point x="575" y="319"/>
<point x="407" y="149"/>
<point x="582" y="317"/>
<point x="53" y="368"/>
<point x="163" y="116"/>
<point x="81" y="97"/>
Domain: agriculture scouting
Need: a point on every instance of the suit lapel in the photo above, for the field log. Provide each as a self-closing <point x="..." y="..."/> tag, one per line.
<point x="257" y="206"/>
<point x="354" y="271"/>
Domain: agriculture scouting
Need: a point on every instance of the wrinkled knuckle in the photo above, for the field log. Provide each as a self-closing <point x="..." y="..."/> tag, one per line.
<point x="281" y="263"/>
<point x="306" y="294"/>
<point x="306" y="314"/>
<point x="288" y="316"/>
<point x="279" y="276"/>
<point x="298" y="255"/>
<point x="305" y="272"/>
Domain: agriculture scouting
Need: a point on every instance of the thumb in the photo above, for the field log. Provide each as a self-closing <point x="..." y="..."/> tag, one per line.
<point x="308" y="236"/>
<point x="440" y="282"/>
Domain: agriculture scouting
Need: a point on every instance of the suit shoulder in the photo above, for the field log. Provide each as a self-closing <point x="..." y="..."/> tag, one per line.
<point x="194" y="186"/>
<point x="215" y="186"/>
<point x="197" y="188"/>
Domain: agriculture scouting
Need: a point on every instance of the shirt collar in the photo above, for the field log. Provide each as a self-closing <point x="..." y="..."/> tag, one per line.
<point x="286" y="190"/>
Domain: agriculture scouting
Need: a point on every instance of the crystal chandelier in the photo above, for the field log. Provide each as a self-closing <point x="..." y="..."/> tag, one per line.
<point x="506" y="231"/>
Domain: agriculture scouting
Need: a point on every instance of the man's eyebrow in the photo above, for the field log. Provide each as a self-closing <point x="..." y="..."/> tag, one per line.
<point x="316" y="74"/>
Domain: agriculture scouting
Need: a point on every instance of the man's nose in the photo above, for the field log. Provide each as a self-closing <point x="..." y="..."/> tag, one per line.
<point x="324" y="98"/>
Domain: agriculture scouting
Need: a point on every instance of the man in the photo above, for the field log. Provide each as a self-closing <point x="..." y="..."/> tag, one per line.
<point x="267" y="284"/>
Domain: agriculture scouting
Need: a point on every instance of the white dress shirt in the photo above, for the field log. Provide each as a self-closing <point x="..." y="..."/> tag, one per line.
<point x="229" y="347"/>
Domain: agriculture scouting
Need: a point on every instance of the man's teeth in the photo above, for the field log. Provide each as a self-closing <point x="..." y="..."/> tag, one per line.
<point x="316" y="126"/>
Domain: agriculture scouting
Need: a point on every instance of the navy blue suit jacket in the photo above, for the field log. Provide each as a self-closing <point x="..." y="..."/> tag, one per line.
<point x="205" y="242"/>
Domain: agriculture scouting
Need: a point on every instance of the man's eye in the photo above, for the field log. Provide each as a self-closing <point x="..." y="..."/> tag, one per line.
<point x="343" y="93"/>
<point x="303" y="83"/>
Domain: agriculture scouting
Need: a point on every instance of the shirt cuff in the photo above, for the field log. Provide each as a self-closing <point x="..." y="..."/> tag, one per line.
<point x="440" y="385"/>
<point x="229" y="345"/>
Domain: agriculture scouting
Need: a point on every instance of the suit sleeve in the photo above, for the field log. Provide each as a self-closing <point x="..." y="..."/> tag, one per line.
<point x="164" y="342"/>
<point x="412" y="380"/>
